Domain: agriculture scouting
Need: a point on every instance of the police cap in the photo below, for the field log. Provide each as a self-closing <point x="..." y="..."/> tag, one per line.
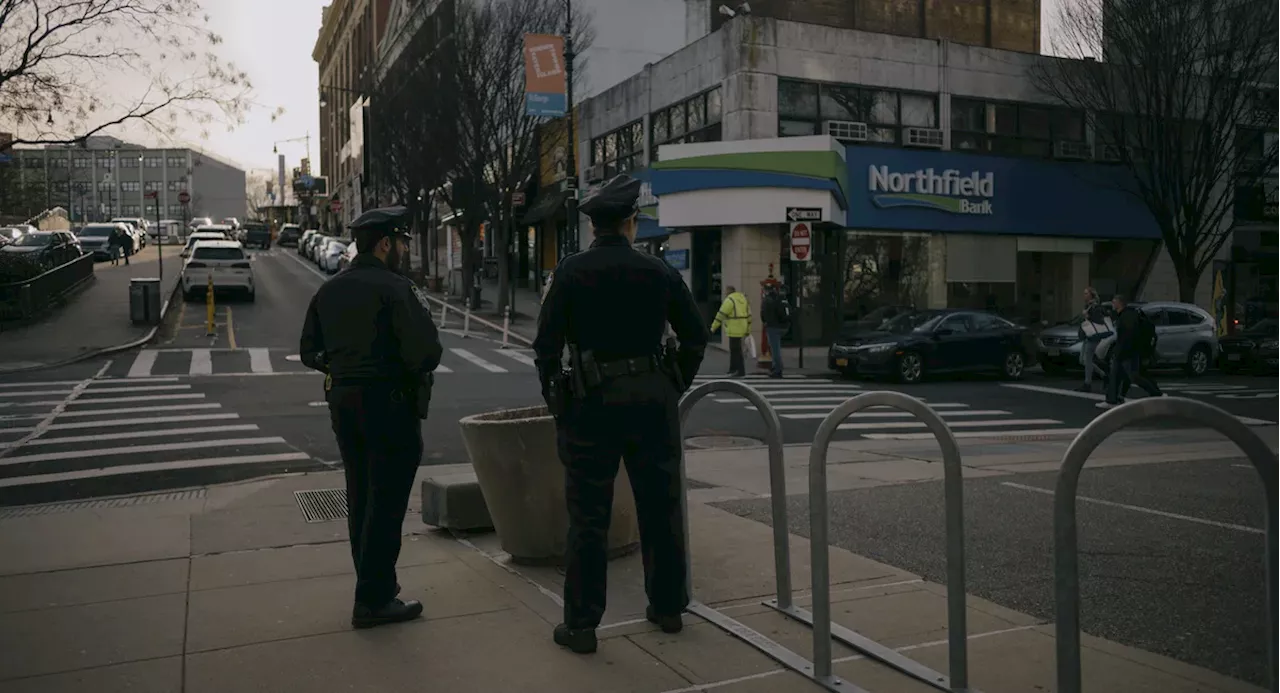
<point x="384" y="221"/>
<point x="613" y="201"/>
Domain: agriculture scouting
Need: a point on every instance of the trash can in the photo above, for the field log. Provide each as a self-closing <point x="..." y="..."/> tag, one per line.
<point x="144" y="301"/>
<point x="516" y="462"/>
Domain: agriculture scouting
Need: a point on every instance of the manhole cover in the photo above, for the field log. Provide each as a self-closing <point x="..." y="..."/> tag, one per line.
<point x="706" y="442"/>
<point x="322" y="505"/>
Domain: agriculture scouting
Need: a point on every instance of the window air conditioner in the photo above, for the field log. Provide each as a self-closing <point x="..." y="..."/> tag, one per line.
<point x="846" y="130"/>
<point x="595" y="173"/>
<point x="923" y="137"/>
<point x="1071" y="150"/>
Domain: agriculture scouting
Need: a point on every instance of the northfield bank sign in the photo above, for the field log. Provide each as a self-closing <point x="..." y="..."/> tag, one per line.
<point x="946" y="191"/>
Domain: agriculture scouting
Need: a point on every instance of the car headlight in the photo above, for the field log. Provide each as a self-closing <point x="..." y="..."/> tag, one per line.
<point x="1268" y="344"/>
<point x="880" y="348"/>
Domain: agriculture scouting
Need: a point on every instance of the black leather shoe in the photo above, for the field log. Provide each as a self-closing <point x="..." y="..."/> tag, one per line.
<point x="670" y="623"/>
<point x="580" y="640"/>
<point x="394" y="611"/>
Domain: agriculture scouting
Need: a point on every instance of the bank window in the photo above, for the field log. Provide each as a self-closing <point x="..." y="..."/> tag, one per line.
<point x="882" y="274"/>
<point x="1014" y="129"/>
<point x="805" y="107"/>
<point x="696" y="119"/>
<point x="619" y="151"/>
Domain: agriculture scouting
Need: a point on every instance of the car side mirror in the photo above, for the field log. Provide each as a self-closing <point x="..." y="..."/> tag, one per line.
<point x="943" y="331"/>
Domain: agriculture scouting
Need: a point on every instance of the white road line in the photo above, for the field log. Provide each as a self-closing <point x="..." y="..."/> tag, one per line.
<point x="260" y="360"/>
<point x="1063" y="432"/>
<point x="138" y="398"/>
<point x="467" y="355"/>
<point x="829" y="409"/>
<point x="112" y="379"/>
<point x="57" y="383"/>
<point x="41" y="403"/>
<point x="443" y="369"/>
<point x="142" y="364"/>
<point x="137" y="410"/>
<point x="139" y="449"/>
<point x="518" y="356"/>
<point x="842" y="394"/>
<point x="35" y="393"/>
<point x="47" y="422"/>
<point x="201" y="362"/>
<point x="130" y="435"/>
<point x="1248" y="421"/>
<point x="829" y="406"/>
<point x="953" y="424"/>
<point x="902" y="414"/>
<point x="1140" y="509"/>
<point x="154" y="467"/>
<point x="140" y="388"/>
<point x="298" y="259"/>
<point x="134" y="423"/>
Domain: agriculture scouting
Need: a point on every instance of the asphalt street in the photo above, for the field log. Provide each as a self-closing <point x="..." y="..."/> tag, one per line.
<point x="1188" y="584"/>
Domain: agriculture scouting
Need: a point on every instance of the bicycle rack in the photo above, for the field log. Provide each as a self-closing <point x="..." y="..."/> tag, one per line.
<point x="820" y="618"/>
<point x="1066" y="558"/>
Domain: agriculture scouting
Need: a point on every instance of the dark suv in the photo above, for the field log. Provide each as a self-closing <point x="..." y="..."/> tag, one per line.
<point x="257" y="234"/>
<point x="289" y="235"/>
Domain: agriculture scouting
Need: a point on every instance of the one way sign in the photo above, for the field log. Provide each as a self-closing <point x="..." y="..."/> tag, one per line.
<point x="795" y="214"/>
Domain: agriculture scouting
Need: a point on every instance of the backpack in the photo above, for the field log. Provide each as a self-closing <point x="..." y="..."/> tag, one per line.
<point x="1145" y="339"/>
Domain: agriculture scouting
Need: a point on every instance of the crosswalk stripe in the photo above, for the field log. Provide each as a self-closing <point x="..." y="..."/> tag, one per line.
<point x="41" y="403"/>
<point x="129" y="435"/>
<point x="142" y="422"/>
<point x="201" y="362"/>
<point x="443" y="369"/>
<point x="91" y="390"/>
<point x="952" y="424"/>
<point x="139" y="398"/>
<point x="1064" y="432"/>
<point x="518" y="356"/>
<point x="135" y="410"/>
<point x="112" y="379"/>
<point x="900" y="414"/>
<point x="139" y="449"/>
<point x="143" y="363"/>
<point x="152" y="467"/>
<point x="260" y="361"/>
<point x="58" y="383"/>
<point x="467" y="355"/>
<point x="827" y="410"/>
<point x="35" y="393"/>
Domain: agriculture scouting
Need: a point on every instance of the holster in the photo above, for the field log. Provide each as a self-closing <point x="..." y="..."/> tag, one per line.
<point x="558" y="394"/>
<point x="670" y="365"/>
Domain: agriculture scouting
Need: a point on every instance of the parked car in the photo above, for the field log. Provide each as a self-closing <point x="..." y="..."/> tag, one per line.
<point x="49" y="249"/>
<point x="206" y="235"/>
<point x="289" y="235"/>
<point x="302" y="240"/>
<point x="915" y="344"/>
<point x="1186" y="337"/>
<point x="330" y="254"/>
<point x="139" y="225"/>
<point x="855" y="331"/>
<point x="347" y="256"/>
<point x="313" y="245"/>
<point x="1253" y="349"/>
<point x="95" y="238"/>
<point x="256" y="234"/>
<point x="225" y="261"/>
<point x="13" y="233"/>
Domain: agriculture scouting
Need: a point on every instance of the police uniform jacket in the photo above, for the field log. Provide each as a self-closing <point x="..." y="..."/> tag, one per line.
<point x="369" y="325"/>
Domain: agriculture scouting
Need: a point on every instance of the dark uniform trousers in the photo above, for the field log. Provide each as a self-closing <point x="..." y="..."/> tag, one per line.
<point x="380" y="438"/>
<point x="593" y="436"/>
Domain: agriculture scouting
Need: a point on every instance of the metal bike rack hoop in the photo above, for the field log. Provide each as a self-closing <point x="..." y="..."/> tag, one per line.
<point x="820" y="618"/>
<point x="1066" y="559"/>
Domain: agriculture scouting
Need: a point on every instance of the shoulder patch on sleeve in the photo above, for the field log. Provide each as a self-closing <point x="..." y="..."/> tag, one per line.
<point x="421" y="296"/>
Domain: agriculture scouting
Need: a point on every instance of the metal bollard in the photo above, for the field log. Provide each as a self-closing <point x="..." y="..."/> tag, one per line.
<point x="444" y="314"/>
<point x="820" y="619"/>
<point x="506" y="329"/>
<point x="1066" y="560"/>
<point x="466" y="323"/>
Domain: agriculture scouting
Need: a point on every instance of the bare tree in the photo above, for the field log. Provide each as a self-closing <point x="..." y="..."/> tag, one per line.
<point x="1182" y="94"/>
<point x="255" y="192"/>
<point x="56" y="55"/>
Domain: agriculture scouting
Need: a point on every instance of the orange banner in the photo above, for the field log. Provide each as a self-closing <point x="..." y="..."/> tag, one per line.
<point x="544" y="74"/>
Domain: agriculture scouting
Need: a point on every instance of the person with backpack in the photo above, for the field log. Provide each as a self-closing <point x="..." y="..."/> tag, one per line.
<point x="1095" y="327"/>
<point x="1135" y="341"/>
<point x="776" y="314"/>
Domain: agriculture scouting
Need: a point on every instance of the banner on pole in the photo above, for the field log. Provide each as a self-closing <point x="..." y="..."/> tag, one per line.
<point x="544" y="75"/>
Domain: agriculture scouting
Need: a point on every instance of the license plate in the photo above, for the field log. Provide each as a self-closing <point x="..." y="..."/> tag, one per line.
<point x="842" y="362"/>
<point x="1233" y="357"/>
<point x="1052" y="352"/>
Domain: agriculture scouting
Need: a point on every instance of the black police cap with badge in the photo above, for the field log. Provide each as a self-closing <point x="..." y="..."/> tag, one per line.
<point x="384" y="221"/>
<point x="614" y="201"/>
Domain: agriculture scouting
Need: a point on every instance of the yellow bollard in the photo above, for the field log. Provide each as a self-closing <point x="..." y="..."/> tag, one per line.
<point x="210" y="330"/>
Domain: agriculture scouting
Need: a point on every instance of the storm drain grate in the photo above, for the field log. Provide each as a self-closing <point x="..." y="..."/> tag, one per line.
<point x="118" y="502"/>
<point x="322" y="505"/>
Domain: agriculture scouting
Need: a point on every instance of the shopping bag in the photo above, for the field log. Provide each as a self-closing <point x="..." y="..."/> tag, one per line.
<point x="750" y="346"/>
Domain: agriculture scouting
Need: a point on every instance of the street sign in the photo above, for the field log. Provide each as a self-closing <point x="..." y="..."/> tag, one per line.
<point x="800" y="237"/>
<point x="336" y="206"/>
<point x="795" y="214"/>
<point x="184" y="197"/>
<point x="150" y="195"/>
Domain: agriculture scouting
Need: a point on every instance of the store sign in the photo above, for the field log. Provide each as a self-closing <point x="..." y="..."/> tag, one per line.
<point x="678" y="259"/>
<point x="946" y="191"/>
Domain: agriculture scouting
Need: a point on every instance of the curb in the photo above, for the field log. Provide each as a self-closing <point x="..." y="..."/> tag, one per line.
<point x="164" y="312"/>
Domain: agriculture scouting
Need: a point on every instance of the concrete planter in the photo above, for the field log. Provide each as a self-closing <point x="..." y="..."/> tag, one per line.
<point x="514" y="455"/>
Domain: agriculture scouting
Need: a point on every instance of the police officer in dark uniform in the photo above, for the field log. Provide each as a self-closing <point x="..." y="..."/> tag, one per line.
<point x="369" y="329"/>
<point x="610" y="305"/>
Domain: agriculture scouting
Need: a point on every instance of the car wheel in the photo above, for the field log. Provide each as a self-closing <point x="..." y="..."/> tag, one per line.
<point x="1198" y="360"/>
<point x="910" y="368"/>
<point x="1014" y="363"/>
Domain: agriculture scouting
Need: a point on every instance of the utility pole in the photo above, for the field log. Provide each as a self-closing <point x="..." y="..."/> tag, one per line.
<point x="571" y="175"/>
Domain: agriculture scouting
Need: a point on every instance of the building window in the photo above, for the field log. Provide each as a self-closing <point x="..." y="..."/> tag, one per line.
<point x="177" y="162"/>
<point x="175" y="211"/>
<point x="104" y="185"/>
<point x="58" y="162"/>
<point x="33" y="163"/>
<point x="153" y="162"/>
<point x="619" y="151"/>
<point x="696" y="119"/>
<point x="884" y="273"/>
<point x="154" y="185"/>
<point x="130" y="186"/>
<point x="82" y="162"/>
<point x="106" y="164"/>
<point x="108" y="211"/>
<point x="61" y="186"/>
<point x="1013" y="129"/>
<point x="176" y="185"/>
<point x="130" y="210"/>
<point x="805" y="107"/>
<point x="128" y="161"/>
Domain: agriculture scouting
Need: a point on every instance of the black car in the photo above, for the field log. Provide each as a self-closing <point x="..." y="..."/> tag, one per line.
<point x="289" y="235"/>
<point x="943" y="341"/>
<point x="1254" y="349"/>
<point x="257" y="234"/>
<point x="856" y="330"/>
<point x="49" y="249"/>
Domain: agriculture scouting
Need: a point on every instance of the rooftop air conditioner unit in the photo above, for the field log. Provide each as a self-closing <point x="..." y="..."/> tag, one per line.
<point x="595" y="173"/>
<point x="846" y="130"/>
<point x="923" y="137"/>
<point x="1071" y="150"/>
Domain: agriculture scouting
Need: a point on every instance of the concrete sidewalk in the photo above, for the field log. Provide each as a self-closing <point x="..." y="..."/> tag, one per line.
<point x="229" y="589"/>
<point x="95" y="320"/>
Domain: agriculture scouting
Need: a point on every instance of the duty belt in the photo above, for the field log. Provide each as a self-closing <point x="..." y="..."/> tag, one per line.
<point x="597" y="372"/>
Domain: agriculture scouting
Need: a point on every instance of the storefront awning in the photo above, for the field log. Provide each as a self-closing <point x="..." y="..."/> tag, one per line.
<point x="546" y="206"/>
<point x="647" y="229"/>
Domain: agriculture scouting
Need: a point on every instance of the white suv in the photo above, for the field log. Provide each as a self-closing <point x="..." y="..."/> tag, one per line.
<point x="224" y="261"/>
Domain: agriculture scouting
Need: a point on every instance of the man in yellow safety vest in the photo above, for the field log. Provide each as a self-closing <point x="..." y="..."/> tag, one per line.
<point x="735" y="315"/>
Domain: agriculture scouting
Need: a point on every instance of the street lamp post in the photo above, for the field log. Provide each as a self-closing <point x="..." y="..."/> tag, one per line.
<point x="571" y="175"/>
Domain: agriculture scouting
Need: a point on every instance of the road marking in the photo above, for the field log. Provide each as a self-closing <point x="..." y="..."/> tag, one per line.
<point x="1140" y="509"/>
<point x="36" y="393"/>
<point x="201" y="362"/>
<point x="317" y="404"/>
<point x="1038" y="432"/>
<point x="139" y="398"/>
<point x="113" y="379"/>
<point x="823" y="415"/>
<point x="952" y="424"/>
<point x="443" y="369"/>
<point x="140" y="388"/>
<point x="153" y="467"/>
<point x="467" y="355"/>
<point x="139" y="449"/>
<point x="1056" y="391"/>
<point x="260" y="360"/>
<point x="137" y="410"/>
<point x="318" y="273"/>
<point x="56" y="383"/>
<point x="47" y="422"/>
<point x="145" y="422"/>
<point x="231" y="330"/>
<point x="41" y="403"/>
<point x="522" y="358"/>
<point x="142" y="364"/>
<point x="293" y="357"/>
<point x="892" y="414"/>
<point x="129" y="435"/>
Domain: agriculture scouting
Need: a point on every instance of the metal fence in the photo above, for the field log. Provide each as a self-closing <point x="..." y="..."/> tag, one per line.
<point x="26" y="299"/>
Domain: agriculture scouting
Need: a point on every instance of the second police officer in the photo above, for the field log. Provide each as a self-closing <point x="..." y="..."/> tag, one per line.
<point x="610" y="305"/>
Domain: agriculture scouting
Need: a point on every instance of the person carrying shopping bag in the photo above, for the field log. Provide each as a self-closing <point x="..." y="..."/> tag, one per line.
<point x="735" y="315"/>
<point x="1095" y="327"/>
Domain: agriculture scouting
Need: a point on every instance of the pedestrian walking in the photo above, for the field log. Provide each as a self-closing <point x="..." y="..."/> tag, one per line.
<point x="1095" y="327"/>
<point x="114" y="241"/>
<point x="1135" y="340"/>
<point x="369" y="329"/>
<point x="735" y="316"/>
<point x="610" y="305"/>
<point x="776" y="314"/>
